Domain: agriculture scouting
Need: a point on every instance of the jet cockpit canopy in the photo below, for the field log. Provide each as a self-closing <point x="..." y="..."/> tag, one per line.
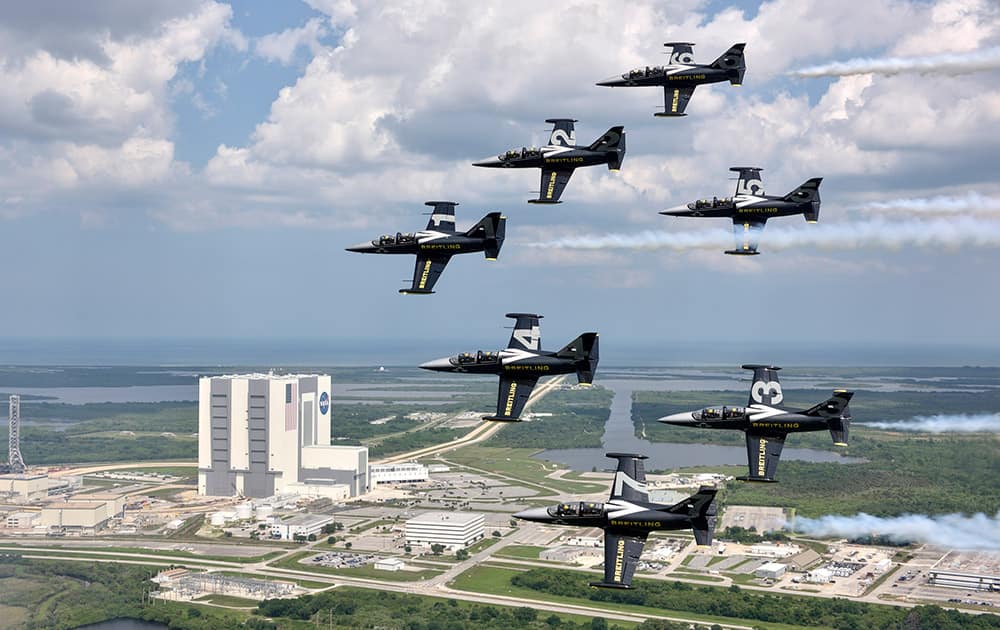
<point x="399" y="239"/>
<point x="582" y="508"/>
<point x="643" y="72"/>
<point x="714" y="202"/>
<point x="515" y="153"/>
<point x="480" y="357"/>
<point x="719" y="413"/>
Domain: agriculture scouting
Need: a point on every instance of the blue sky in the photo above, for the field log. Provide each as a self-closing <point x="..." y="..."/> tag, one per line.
<point x="196" y="168"/>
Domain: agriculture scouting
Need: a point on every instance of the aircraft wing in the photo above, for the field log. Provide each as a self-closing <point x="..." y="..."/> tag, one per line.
<point x="622" y="550"/>
<point x="763" y="452"/>
<point x="675" y="101"/>
<point x="512" y="396"/>
<point x="553" y="183"/>
<point x="426" y="273"/>
<point x="747" y="234"/>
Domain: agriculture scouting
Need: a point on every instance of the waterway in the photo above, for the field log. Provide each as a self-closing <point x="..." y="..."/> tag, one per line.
<point x="619" y="436"/>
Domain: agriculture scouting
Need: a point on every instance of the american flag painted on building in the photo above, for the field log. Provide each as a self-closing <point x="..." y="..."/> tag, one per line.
<point x="291" y="404"/>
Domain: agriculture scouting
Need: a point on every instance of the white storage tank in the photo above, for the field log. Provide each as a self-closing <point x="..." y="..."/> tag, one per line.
<point x="244" y="511"/>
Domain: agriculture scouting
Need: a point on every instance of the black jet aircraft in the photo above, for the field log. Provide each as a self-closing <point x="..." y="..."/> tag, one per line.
<point x="750" y="208"/>
<point x="436" y="245"/>
<point x="628" y="517"/>
<point x="523" y="363"/>
<point x="766" y="424"/>
<point x="562" y="156"/>
<point x="682" y="75"/>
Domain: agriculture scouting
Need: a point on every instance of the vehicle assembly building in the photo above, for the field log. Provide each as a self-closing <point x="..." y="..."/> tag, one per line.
<point x="266" y="434"/>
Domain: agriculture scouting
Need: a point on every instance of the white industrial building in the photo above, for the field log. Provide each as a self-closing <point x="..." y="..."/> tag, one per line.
<point x="964" y="581"/>
<point x="27" y="487"/>
<point x="76" y="515"/>
<point x="408" y="472"/>
<point x="389" y="564"/>
<point x="22" y="520"/>
<point x="769" y="550"/>
<point x="451" y="529"/>
<point x="819" y="576"/>
<point x="266" y="434"/>
<point x="770" y="571"/>
<point x="300" y="525"/>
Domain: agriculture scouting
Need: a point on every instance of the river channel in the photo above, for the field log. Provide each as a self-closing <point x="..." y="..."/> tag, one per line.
<point x="619" y="436"/>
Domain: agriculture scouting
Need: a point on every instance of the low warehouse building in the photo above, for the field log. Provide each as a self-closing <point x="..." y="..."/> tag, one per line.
<point x="451" y="529"/>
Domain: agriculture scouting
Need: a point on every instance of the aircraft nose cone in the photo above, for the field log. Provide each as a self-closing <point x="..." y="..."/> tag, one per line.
<point x="678" y="418"/>
<point x="676" y="211"/>
<point x="539" y="515"/>
<point x="611" y="82"/>
<point x="490" y="161"/>
<point x="362" y="248"/>
<point x="437" y="364"/>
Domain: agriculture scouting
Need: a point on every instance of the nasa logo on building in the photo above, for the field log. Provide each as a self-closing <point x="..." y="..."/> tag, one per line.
<point x="324" y="403"/>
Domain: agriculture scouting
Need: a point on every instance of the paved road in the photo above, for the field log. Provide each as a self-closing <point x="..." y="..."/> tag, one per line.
<point x="481" y="433"/>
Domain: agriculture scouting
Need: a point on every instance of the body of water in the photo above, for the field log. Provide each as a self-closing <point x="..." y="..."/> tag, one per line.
<point x="619" y="436"/>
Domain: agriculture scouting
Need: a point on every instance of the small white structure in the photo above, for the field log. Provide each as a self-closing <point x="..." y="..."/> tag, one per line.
<point x="390" y="564"/>
<point x="244" y="511"/>
<point x="218" y="519"/>
<point x="767" y="550"/>
<point x="882" y="566"/>
<point x="451" y="529"/>
<point x="407" y="472"/>
<point x="819" y="576"/>
<point x="300" y="525"/>
<point x="770" y="571"/>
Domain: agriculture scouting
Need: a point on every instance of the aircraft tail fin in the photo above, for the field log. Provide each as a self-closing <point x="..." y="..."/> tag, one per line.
<point x="733" y="62"/>
<point x="837" y="413"/>
<point x="701" y="509"/>
<point x="766" y="389"/>
<point x="630" y="477"/>
<point x="584" y="351"/>
<point x="442" y="217"/>
<point x="492" y="228"/>
<point x="807" y="193"/>
<point x="612" y="142"/>
<point x="563" y="133"/>
<point x="527" y="333"/>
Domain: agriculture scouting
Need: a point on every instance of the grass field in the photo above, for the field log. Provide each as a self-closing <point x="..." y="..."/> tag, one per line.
<point x="496" y="581"/>
<point x="517" y="463"/>
<point x="526" y="552"/>
<point x="227" y="600"/>
<point x="367" y="571"/>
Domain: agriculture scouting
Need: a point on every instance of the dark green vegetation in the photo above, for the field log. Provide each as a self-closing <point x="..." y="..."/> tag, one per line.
<point x="903" y="473"/>
<point x="37" y="594"/>
<point x="577" y="421"/>
<point x="100" y="435"/>
<point x="733" y="602"/>
<point x="907" y="475"/>
<point x="358" y="608"/>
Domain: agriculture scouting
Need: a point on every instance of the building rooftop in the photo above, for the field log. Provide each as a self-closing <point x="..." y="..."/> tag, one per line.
<point x="308" y="519"/>
<point x="75" y="505"/>
<point x="438" y="518"/>
<point x="260" y="376"/>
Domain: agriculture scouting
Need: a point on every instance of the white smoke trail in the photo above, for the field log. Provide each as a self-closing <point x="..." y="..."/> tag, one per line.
<point x="961" y="423"/>
<point x="957" y="531"/>
<point x="986" y="59"/>
<point x="971" y="203"/>
<point x="950" y="232"/>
